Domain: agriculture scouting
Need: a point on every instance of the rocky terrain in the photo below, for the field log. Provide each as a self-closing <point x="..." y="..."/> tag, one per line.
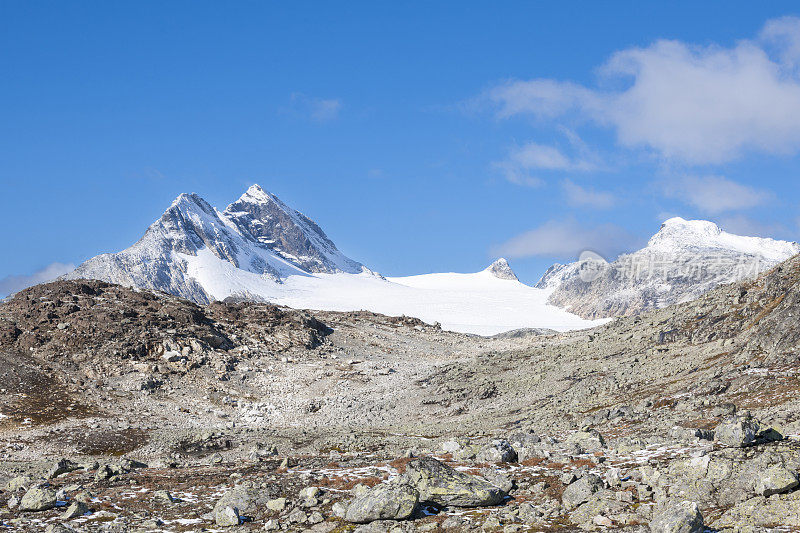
<point x="130" y="410"/>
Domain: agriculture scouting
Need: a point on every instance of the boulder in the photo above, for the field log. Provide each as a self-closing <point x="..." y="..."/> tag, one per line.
<point x="588" y="440"/>
<point x="226" y="516"/>
<point x="581" y="491"/>
<point x="278" y="504"/>
<point x="38" y="499"/>
<point x="439" y="484"/>
<point x="245" y="498"/>
<point x="61" y="467"/>
<point x="164" y="496"/>
<point x="75" y="510"/>
<point x="776" y="479"/>
<point x="17" y="483"/>
<point x="499" y="451"/>
<point x="388" y="501"/>
<point x="682" y="517"/>
<point x="743" y="430"/>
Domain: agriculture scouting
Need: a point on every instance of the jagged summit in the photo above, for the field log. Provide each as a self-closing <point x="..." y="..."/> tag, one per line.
<point x="197" y="252"/>
<point x="501" y="269"/>
<point x="288" y="233"/>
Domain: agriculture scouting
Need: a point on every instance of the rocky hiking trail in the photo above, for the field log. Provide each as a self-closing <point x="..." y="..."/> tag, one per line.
<point x="127" y="410"/>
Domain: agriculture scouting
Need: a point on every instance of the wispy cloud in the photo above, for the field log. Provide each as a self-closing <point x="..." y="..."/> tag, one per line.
<point x="566" y="239"/>
<point x="523" y="163"/>
<point x="715" y="194"/>
<point x="694" y="104"/>
<point x="578" y="196"/>
<point x="317" y="109"/>
<point x="12" y="284"/>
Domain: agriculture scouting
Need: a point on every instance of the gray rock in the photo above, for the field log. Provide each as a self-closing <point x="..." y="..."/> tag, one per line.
<point x="589" y="440"/>
<point x="278" y="504"/>
<point x="738" y="431"/>
<point x="383" y="502"/>
<point x="499" y="451"/>
<point x="61" y="467"/>
<point x="683" y="517"/>
<point x="776" y="479"/>
<point x="226" y="516"/>
<point x="38" y="499"/>
<point x="581" y="491"/>
<point x="245" y="498"/>
<point x="438" y="483"/>
<point x="75" y="510"/>
<point x="164" y="496"/>
<point x="17" y="483"/>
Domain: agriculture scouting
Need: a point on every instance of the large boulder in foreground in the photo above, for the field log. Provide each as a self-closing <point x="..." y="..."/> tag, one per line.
<point x="389" y="501"/>
<point x="439" y="484"/>
<point x="682" y="517"/>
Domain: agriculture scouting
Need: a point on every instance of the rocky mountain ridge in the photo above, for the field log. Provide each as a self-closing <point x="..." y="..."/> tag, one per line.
<point x="684" y="260"/>
<point x="257" y="234"/>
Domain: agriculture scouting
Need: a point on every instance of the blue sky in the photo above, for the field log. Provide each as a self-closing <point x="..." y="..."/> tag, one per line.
<point x="422" y="137"/>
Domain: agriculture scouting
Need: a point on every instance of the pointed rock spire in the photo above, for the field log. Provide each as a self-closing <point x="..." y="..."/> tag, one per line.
<point x="501" y="269"/>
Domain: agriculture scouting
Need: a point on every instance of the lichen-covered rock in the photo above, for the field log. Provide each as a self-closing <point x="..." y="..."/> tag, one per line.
<point x="499" y="451"/>
<point x="245" y="498"/>
<point x="776" y="479"/>
<point x="743" y="430"/>
<point x="226" y="516"/>
<point x="438" y="483"/>
<point x="581" y="491"/>
<point x="682" y="517"/>
<point x="783" y="509"/>
<point x="38" y="499"/>
<point x="388" y="501"/>
<point x="63" y="466"/>
<point x="75" y="510"/>
<point x="589" y="440"/>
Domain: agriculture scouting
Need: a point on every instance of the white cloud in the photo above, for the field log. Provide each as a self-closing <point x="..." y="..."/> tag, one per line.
<point x="12" y="284"/>
<point x="696" y="104"/>
<point x="715" y="194"/>
<point x="566" y="239"/>
<point x="578" y="196"/>
<point x="524" y="161"/>
<point x="317" y="109"/>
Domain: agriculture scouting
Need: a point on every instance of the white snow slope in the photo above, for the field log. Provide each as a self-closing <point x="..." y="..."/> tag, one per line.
<point x="479" y="303"/>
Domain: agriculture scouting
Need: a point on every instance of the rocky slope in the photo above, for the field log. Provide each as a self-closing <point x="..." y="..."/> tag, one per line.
<point x="685" y="259"/>
<point x="269" y="417"/>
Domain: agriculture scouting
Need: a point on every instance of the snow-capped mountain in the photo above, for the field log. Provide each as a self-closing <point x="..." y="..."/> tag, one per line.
<point x="261" y="249"/>
<point x="257" y="235"/>
<point x="683" y="260"/>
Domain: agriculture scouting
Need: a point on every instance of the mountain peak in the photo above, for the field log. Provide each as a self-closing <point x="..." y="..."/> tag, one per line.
<point x="502" y="270"/>
<point x="255" y="192"/>
<point x="287" y="232"/>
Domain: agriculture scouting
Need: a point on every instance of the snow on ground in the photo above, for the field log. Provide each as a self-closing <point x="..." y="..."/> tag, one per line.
<point x="477" y="303"/>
